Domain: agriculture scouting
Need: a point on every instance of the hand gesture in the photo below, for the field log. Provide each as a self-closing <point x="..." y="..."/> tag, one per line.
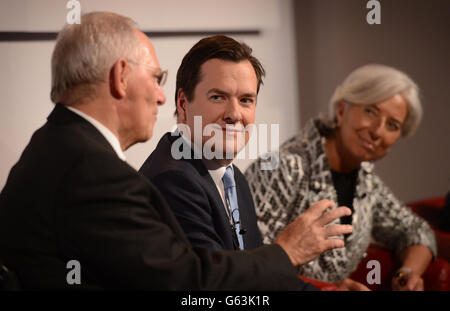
<point x="308" y="236"/>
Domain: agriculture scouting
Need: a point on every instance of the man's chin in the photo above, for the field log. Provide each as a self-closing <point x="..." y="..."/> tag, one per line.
<point x="220" y="154"/>
<point x="145" y="138"/>
<point x="232" y="149"/>
<point x="225" y="149"/>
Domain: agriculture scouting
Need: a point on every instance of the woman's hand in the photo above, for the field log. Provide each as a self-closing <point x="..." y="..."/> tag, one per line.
<point x="406" y="279"/>
<point x="349" y="284"/>
<point x="415" y="260"/>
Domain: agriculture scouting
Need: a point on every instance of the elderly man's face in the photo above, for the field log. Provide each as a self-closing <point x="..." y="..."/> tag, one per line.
<point x="144" y="94"/>
<point x="226" y="96"/>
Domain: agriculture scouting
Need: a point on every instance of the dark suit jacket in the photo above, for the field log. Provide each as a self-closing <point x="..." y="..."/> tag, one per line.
<point x="70" y="197"/>
<point x="195" y="200"/>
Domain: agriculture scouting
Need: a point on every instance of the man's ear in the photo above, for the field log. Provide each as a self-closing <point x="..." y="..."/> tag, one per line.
<point x="181" y="107"/>
<point x="118" y="78"/>
<point x="340" y="112"/>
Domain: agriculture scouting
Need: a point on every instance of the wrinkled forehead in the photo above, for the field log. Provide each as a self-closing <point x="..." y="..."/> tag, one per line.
<point x="148" y="54"/>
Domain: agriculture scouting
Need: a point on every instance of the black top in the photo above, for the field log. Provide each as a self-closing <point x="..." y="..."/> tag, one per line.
<point x="345" y="185"/>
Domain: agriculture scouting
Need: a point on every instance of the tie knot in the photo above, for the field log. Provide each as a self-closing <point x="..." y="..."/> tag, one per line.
<point x="228" y="178"/>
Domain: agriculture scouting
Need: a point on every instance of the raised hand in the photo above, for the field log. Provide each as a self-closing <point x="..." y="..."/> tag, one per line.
<point x="308" y="236"/>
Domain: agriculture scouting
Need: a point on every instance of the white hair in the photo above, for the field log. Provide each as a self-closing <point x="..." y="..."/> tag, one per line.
<point x="85" y="52"/>
<point x="374" y="83"/>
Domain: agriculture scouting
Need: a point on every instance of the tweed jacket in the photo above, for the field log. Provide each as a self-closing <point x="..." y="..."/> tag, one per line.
<point x="303" y="177"/>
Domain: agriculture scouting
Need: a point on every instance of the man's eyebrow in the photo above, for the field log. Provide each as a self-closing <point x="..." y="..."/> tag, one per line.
<point x="159" y="70"/>
<point x="222" y="92"/>
<point x="249" y="95"/>
<point x="217" y="91"/>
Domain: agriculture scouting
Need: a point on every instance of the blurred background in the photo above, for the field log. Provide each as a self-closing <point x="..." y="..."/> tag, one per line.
<point x="307" y="47"/>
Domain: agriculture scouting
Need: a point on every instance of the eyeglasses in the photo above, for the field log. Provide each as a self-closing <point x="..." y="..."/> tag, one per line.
<point x="161" y="78"/>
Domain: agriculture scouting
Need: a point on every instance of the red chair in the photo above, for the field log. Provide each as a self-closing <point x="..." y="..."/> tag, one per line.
<point x="324" y="286"/>
<point x="429" y="210"/>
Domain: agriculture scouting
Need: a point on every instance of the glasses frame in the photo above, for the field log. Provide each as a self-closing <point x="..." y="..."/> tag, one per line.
<point x="162" y="76"/>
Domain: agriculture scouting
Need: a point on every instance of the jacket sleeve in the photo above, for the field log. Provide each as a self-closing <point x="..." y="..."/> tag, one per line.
<point x="276" y="193"/>
<point x="395" y="225"/>
<point x="119" y="228"/>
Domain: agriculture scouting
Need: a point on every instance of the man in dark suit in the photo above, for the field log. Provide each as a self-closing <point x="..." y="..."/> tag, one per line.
<point x="218" y="80"/>
<point x="192" y="194"/>
<point x="71" y="197"/>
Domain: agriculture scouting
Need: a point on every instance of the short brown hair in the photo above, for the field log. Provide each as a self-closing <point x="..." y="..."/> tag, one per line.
<point x="221" y="47"/>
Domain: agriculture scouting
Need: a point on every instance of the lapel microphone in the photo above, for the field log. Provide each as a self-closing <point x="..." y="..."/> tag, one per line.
<point x="242" y="231"/>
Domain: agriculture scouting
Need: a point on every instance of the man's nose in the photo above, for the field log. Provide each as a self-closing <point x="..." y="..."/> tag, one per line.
<point x="232" y="112"/>
<point x="161" y="97"/>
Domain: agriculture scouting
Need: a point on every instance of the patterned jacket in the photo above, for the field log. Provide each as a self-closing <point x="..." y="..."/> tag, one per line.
<point x="303" y="177"/>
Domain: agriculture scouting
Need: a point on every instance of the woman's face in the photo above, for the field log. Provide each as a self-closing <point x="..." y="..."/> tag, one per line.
<point x="366" y="132"/>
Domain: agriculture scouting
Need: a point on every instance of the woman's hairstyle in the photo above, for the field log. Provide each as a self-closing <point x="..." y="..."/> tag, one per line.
<point x="85" y="52"/>
<point x="220" y="47"/>
<point x="374" y="83"/>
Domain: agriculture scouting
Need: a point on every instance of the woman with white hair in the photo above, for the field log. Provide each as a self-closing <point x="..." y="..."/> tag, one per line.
<point x="332" y="158"/>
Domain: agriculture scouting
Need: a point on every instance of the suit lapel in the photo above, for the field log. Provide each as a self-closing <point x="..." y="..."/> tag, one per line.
<point x="201" y="168"/>
<point x="211" y="189"/>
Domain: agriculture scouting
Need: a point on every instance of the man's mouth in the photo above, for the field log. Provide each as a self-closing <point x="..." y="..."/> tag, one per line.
<point x="232" y="130"/>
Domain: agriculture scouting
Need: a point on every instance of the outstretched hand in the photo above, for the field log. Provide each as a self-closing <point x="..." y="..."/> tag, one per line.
<point x="308" y="236"/>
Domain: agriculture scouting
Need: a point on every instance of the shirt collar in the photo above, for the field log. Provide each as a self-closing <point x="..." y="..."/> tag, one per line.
<point x="217" y="174"/>
<point x="110" y="137"/>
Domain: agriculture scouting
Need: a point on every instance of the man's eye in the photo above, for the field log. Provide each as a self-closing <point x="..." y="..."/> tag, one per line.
<point x="216" y="97"/>
<point x="247" y="100"/>
<point x="161" y="78"/>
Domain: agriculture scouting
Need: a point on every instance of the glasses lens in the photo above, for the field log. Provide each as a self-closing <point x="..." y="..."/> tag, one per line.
<point x="163" y="78"/>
